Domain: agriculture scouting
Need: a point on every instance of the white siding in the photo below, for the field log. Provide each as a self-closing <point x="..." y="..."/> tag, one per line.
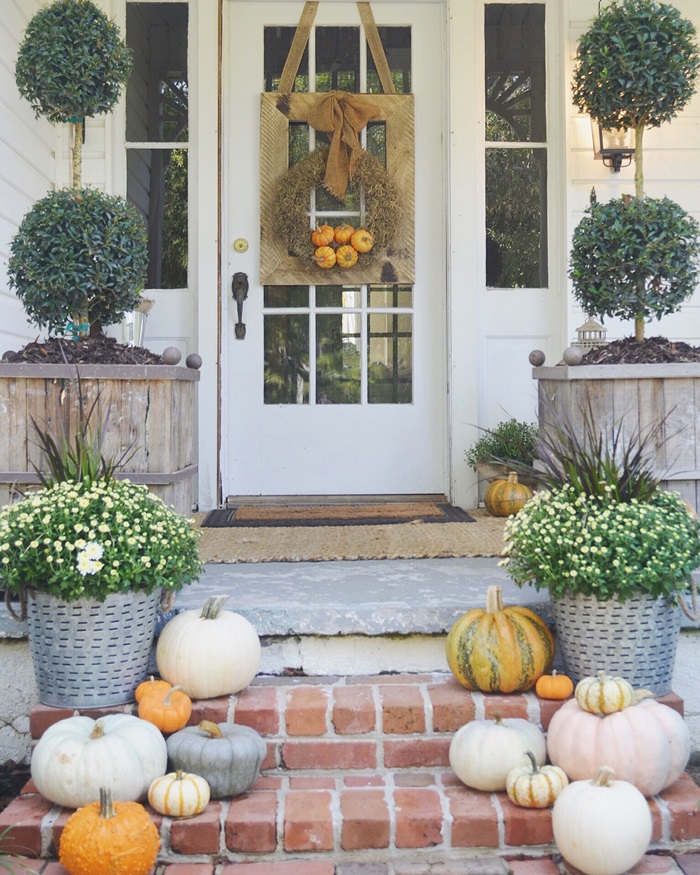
<point x="671" y="169"/>
<point x="27" y="164"/>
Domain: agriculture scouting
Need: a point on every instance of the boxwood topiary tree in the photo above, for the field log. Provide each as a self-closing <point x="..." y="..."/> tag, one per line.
<point x="635" y="258"/>
<point x="72" y="63"/>
<point x="79" y="254"/>
<point x="79" y="258"/>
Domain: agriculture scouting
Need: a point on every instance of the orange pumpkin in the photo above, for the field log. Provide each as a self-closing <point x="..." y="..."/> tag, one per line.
<point x="343" y="233"/>
<point x="105" y="836"/>
<point x="325" y="257"/>
<point x="151" y="685"/>
<point x="506" y="497"/>
<point x="362" y="240"/>
<point x="346" y="256"/>
<point x="322" y="235"/>
<point x="554" y="686"/>
<point x="169" y="710"/>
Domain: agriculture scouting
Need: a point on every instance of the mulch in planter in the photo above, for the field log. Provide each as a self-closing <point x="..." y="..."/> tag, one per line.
<point x="98" y="350"/>
<point x="651" y="351"/>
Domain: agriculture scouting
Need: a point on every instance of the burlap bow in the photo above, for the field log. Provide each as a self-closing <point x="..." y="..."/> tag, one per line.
<point x="343" y="115"/>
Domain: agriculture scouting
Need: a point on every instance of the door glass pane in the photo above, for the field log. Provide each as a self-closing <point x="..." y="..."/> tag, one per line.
<point x="286" y="359"/>
<point x="338" y="296"/>
<point x="157" y="186"/>
<point x="338" y="358"/>
<point x="396" y="42"/>
<point x="157" y="91"/>
<point x="515" y="72"/>
<point x="516" y="218"/>
<point x="390" y="358"/>
<point x="337" y="59"/>
<point x="286" y="296"/>
<point x="390" y="296"/>
<point x="278" y="41"/>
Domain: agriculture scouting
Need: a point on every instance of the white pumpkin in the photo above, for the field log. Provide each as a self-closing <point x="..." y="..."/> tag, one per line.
<point x="603" y="826"/>
<point x="604" y="694"/>
<point x="647" y="744"/>
<point x="77" y="756"/>
<point x="210" y="652"/>
<point x="179" y="794"/>
<point x="484" y="752"/>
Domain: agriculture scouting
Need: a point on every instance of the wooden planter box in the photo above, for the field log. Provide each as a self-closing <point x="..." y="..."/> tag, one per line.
<point x="636" y="397"/>
<point x="150" y="408"/>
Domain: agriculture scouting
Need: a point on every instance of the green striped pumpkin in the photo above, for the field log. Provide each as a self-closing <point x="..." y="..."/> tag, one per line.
<point x="499" y="650"/>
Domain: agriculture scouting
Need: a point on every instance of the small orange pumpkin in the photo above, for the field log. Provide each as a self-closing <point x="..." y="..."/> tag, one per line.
<point x="322" y="235"/>
<point x="343" y="233"/>
<point x="169" y="710"/>
<point x="554" y="686"/>
<point x="506" y="497"/>
<point x="325" y="257"/>
<point x="346" y="256"/>
<point x="105" y="836"/>
<point x="362" y="240"/>
<point x="149" y="686"/>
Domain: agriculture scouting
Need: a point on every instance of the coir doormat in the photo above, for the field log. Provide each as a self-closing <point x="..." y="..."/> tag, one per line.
<point x="336" y="515"/>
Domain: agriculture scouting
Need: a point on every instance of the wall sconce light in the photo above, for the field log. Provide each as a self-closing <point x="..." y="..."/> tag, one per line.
<point x="615" y="147"/>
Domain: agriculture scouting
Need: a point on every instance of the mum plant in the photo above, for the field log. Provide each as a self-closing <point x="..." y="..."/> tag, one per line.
<point x="636" y="68"/>
<point x="601" y="525"/>
<point x="89" y="538"/>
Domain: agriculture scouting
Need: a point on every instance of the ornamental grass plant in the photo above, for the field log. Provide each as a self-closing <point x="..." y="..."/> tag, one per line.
<point x="601" y="524"/>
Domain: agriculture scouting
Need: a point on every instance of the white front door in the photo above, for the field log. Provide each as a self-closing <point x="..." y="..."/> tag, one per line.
<point x="334" y="389"/>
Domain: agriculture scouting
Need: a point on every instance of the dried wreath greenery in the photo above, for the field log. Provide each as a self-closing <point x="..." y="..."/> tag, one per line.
<point x="382" y="200"/>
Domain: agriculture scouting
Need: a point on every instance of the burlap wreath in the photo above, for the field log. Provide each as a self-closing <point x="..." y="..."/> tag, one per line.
<point x="381" y="196"/>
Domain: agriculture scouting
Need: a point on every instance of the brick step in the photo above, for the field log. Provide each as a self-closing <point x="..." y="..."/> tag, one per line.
<point x="356" y="772"/>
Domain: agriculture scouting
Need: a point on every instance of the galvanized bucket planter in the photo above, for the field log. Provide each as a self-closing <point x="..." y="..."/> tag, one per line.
<point x="90" y="654"/>
<point x="636" y="640"/>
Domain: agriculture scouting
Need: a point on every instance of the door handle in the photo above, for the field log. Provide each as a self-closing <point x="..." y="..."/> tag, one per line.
<point x="239" y="290"/>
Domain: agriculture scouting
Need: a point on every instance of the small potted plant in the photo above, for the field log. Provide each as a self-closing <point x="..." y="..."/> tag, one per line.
<point x="511" y="443"/>
<point x="615" y="551"/>
<point x="91" y="557"/>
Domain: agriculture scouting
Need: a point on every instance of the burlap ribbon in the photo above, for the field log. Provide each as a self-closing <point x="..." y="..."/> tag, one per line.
<point x="343" y="115"/>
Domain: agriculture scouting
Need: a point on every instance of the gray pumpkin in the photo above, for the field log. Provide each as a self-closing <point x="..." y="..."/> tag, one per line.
<point x="229" y="756"/>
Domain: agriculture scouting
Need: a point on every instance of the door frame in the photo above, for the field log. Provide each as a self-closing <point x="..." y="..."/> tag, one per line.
<point x="227" y="306"/>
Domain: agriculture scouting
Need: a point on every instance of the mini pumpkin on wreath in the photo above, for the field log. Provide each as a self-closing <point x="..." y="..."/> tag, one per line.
<point x="381" y="215"/>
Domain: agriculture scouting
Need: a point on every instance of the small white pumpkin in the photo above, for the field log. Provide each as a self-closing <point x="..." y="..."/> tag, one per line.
<point x="484" y="752"/>
<point x="534" y="786"/>
<point x="179" y="794"/>
<point x="604" y="694"/>
<point x="77" y="756"/>
<point x="647" y="744"/>
<point x="602" y="827"/>
<point x="208" y="653"/>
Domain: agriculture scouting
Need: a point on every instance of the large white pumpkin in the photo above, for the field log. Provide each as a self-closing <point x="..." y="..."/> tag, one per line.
<point x="77" y="756"/>
<point x="483" y="752"/>
<point x="603" y="827"/>
<point x="647" y="744"/>
<point x="210" y="652"/>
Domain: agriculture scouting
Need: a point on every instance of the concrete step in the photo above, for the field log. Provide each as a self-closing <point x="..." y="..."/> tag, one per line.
<point x="357" y="775"/>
